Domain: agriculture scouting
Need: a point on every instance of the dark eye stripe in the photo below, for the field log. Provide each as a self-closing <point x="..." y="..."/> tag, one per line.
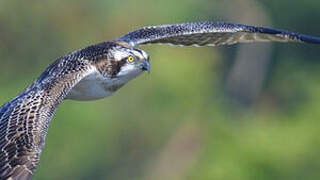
<point x="123" y="61"/>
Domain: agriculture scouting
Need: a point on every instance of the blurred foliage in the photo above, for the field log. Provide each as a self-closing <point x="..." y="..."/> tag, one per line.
<point x="176" y="122"/>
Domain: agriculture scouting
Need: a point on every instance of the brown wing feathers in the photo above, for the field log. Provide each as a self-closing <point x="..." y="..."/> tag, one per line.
<point x="25" y="119"/>
<point x="211" y="34"/>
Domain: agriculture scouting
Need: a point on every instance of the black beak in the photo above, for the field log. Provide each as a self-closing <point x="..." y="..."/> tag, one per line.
<point x="145" y="65"/>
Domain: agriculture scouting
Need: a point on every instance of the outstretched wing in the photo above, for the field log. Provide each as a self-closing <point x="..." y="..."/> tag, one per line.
<point x="25" y="119"/>
<point x="211" y="34"/>
<point x="22" y="133"/>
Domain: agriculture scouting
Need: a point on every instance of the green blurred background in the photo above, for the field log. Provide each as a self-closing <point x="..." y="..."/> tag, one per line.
<point x="242" y="112"/>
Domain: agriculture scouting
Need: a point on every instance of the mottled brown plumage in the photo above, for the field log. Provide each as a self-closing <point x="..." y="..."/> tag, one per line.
<point x="96" y="72"/>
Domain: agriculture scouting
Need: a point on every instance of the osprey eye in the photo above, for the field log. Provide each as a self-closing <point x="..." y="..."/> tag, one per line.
<point x="130" y="59"/>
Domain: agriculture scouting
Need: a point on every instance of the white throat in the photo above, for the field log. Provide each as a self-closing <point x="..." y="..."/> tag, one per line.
<point x="95" y="86"/>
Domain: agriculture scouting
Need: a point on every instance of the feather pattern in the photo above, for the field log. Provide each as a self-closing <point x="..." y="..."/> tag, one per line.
<point x="211" y="34"/>
<point x="24" y="120"/>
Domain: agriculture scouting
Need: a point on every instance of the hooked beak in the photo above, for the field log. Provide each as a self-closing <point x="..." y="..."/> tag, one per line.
<point x="145" y="65"/>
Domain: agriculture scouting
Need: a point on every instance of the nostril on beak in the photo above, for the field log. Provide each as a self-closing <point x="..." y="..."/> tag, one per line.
<point x="145" y="66"/>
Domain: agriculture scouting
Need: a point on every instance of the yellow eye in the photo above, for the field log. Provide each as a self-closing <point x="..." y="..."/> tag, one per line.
<point x="131" y="59"/>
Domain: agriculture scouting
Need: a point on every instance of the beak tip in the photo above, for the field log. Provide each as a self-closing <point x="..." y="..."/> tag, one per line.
<point x="145" y="66"/>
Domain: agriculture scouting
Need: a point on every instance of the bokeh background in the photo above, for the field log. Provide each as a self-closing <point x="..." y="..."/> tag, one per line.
<point x="243" y="112"/>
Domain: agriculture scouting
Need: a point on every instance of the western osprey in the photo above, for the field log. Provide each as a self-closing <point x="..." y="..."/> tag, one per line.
<point x="98" y="71"/>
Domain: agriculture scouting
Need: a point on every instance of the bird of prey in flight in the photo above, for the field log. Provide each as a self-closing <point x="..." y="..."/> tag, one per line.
<point x="98" y="71"/>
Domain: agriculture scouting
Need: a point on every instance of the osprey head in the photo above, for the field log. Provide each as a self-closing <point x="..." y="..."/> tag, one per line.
<point x="114" y="64"/>
<point x="128" y="62"/>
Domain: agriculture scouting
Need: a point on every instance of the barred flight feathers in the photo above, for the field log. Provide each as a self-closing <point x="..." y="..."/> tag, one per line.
<point x="211" y="34"/>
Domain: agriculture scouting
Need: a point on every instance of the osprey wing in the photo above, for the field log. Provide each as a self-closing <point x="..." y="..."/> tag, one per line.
<point x="211" y="34"/>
